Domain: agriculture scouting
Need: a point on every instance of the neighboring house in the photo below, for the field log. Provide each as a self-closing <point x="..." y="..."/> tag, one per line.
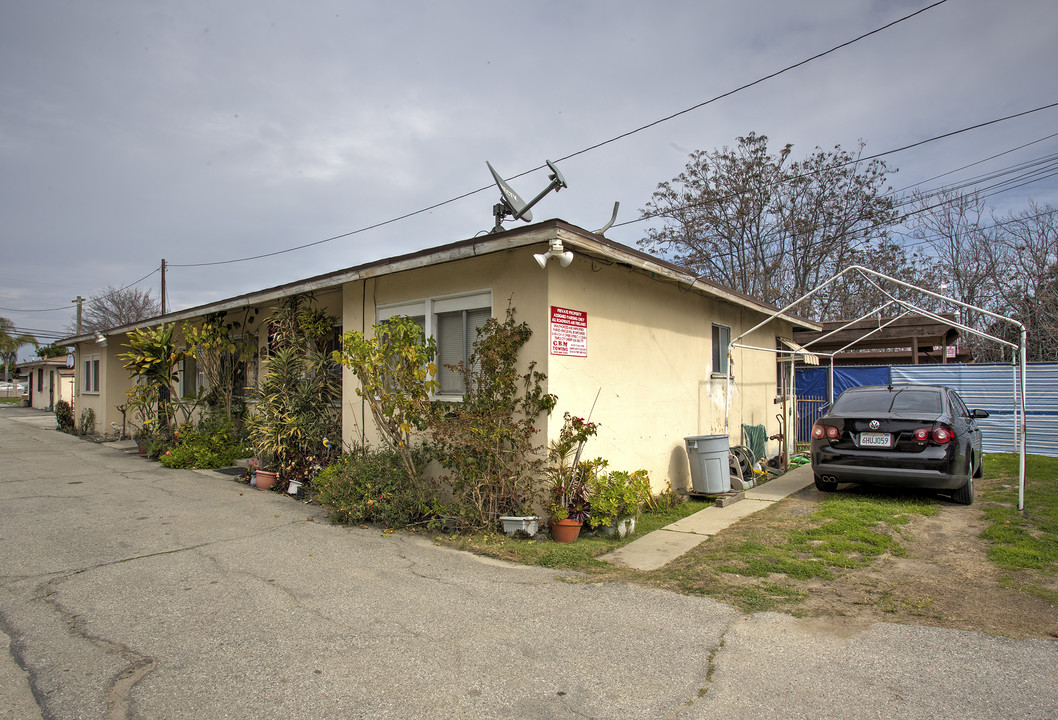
<point x="48" y="381"/>
<point x="645" y="337"/>
<point x="909" y="340"/>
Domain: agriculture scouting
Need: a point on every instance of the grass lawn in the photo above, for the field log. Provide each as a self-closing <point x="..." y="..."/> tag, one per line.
<point x="766" y="560"/>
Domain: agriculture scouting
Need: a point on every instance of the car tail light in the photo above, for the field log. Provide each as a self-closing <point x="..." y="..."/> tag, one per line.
<point x="819" y="431"/>
<point x="936" y="435"/>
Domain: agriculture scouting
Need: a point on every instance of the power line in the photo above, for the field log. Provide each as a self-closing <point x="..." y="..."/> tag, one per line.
<point x="97" y="299"/>
<point x="579" y="152"/>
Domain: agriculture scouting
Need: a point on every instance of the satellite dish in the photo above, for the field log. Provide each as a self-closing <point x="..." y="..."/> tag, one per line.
<point x="513" y="200"/>
<point x="512" y="204"/>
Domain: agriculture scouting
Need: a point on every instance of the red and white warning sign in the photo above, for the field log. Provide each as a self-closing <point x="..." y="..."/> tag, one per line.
<point x="569" y="332"/>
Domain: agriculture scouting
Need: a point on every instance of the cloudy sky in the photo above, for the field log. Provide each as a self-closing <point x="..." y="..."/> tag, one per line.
<point x="207" y="132"/>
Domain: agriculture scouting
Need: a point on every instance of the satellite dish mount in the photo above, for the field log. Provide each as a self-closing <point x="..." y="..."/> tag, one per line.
<point x="512" y="204"/>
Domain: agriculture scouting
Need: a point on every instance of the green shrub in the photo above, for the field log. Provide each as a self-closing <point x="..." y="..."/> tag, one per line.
<point x="617" y="495"/>
<point x="88" y="422"/>
<point x="214" y="444"/>
<point x="369" y="486"/>
<point x="64" y="416"/>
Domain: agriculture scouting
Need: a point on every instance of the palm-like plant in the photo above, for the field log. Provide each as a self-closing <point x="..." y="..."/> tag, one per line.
<point x="296" y="405"/>
<point x="10" y="342"/>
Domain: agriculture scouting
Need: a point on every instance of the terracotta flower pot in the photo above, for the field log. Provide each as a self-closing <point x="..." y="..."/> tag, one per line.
<point x="565" y="530"/>
<point x="266" y="479"/>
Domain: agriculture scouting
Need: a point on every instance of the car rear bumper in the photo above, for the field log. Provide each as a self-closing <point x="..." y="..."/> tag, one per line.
<point x="931" y="469"/>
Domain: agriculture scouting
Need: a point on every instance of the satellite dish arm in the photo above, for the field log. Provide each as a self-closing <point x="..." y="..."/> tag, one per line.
<point x="557" y="183"/>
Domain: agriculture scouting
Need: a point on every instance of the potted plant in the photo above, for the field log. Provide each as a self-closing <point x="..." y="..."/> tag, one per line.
<point x="569" y="506"/>
<point x="616" y="498"/>
<point x="296" y="402"/>
<point x="513" y="524"/>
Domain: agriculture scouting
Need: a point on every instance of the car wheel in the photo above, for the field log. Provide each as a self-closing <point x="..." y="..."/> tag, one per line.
<point x="965" y="494"/>
<point x="979" y="469"/>
<point x="826" y="485"/>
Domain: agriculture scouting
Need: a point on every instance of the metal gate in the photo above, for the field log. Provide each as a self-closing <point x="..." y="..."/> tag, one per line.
<point x="809" y="409"/>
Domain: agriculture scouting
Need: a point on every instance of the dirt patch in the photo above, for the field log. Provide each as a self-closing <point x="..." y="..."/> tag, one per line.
<point x="945" y="580"/>
<point x="942" y="577"/>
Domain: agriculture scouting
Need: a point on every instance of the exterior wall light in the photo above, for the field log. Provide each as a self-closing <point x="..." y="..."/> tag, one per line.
<point x="565" y="257"/>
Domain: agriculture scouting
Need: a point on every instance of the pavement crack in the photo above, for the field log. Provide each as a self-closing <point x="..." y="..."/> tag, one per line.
<point x="137" y="665"/>
<point x="710" y="670"/>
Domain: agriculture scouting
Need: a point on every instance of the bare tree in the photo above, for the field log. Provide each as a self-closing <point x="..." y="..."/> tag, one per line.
<point x="114" y="307"/>
<point x="1027" y="279"/>
<point x="1005" y="265"/>
<point x="773" y="228"/>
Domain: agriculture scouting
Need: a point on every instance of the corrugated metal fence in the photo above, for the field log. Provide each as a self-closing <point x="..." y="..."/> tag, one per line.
<point x="993" y="387"/>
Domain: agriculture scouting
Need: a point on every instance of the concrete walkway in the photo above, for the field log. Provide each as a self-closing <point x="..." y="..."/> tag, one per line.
<point x="661" y="547"/>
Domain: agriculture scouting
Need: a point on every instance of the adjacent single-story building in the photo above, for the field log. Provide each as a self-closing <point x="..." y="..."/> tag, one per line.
<point x="48" y="381"/>
<point x="644" y="341"/>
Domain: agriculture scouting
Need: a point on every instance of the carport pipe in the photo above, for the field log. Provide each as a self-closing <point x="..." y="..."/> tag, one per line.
<point x="1023" y="432"/>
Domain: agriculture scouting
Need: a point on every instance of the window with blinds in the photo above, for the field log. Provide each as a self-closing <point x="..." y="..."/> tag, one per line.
<point x="456" y="333"/>
<point x="453" y="322"/>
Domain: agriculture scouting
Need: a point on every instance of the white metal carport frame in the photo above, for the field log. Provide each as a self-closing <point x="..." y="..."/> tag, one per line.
<point x="906" y="307"/>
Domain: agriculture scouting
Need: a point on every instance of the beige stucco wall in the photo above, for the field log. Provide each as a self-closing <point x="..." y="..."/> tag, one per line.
<point x="114" y="381"/>
<point x="511" y="276"/>
<point x="649" y="353"/>
<point x="649" y="360"/>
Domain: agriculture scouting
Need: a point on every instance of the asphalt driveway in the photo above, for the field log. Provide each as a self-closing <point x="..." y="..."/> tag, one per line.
<point x="128" y="590"/>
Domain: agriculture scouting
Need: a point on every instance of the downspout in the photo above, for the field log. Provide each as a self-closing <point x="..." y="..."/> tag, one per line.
<point x="727" y="396"/>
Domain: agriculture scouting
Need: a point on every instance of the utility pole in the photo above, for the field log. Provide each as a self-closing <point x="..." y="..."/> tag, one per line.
<point x="163" y="286"/>
<point x="79" y="301"/>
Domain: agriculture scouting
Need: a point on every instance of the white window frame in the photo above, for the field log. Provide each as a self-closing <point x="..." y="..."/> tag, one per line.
<point x="90" y="366"/>
<point x="720" y="347"/>
<point x="429" y="308"/>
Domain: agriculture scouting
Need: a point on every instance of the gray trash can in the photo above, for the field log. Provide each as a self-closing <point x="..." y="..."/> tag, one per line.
<point x="710" y="470"/>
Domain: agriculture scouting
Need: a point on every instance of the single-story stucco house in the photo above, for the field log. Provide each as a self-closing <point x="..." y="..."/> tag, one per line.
<point x="49" y="381"/>
<point x="645" y="337"/>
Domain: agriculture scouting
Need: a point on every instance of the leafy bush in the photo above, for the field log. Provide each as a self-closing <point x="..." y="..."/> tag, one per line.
<point x="617" y="495"/>
<point x="369" y="486"/>
<point x="64" y="416"/>
<point x="88" y="422"/>
<point x="486" y="442"/>
<point x="212" y="445"/>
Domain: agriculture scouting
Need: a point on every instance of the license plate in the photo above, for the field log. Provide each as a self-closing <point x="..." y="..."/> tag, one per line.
<point x="872" y="439"/>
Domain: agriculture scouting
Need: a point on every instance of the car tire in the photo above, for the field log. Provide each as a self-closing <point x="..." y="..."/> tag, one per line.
<point x="979" y="469"/>
<point x="965" y="494"/>
<point x="825" y="485"/>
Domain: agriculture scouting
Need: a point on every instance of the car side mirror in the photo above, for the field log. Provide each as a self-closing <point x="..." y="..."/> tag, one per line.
<point x="979" y="414"/>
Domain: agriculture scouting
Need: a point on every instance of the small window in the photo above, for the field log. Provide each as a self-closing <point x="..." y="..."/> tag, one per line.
<point x="453" y="322"/>
<point x="456" y="333"/>
<point x="189" y="376"/>
<point x="91" y="375"/>
<point x="721" y="340"/>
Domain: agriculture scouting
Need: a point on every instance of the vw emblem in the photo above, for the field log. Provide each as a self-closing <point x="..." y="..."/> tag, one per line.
<point x="874" y="425"/>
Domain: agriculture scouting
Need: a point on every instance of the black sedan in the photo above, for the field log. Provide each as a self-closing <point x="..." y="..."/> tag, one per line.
<point x="899" y="435"/>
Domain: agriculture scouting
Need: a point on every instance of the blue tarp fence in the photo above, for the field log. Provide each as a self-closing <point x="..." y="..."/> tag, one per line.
<point x="993" y="387"/>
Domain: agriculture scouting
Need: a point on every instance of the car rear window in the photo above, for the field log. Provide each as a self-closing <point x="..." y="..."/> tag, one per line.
<point x="882" y="400"/>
